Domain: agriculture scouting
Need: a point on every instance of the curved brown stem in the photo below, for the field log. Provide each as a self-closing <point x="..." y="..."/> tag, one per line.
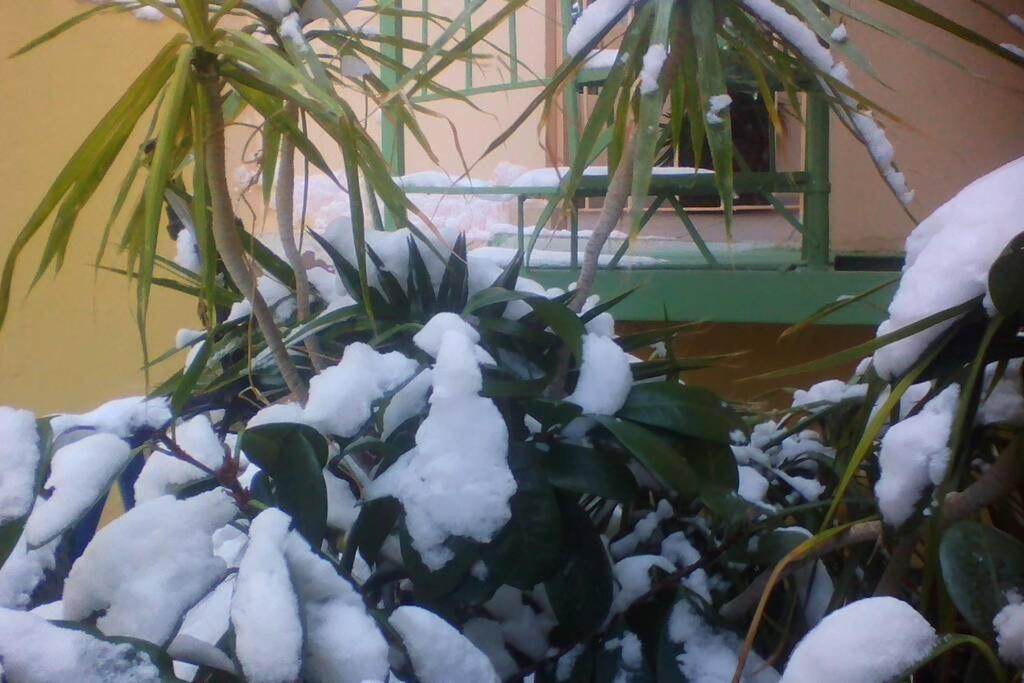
<point x="285" y="195"/>
<point x="614" y="204"/>
<point x="226" y="237"/>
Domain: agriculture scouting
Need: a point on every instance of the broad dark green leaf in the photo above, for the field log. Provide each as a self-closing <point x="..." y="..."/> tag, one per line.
<point x="376" y="519"/>
<point x="293" y="456"/>
<point x="979" y="564"/>
<point x="432" y="585"/>
<point x="581" y="593"/>
<point x="527" y="549"/>
<point x="685" y="410"/>
<point x="655" y="454"/>
<point x="587" y="471"/>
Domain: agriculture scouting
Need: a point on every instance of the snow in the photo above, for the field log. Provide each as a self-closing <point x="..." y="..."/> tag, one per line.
<point x="429" y="338"/>
<point x="456" y="481"/>
<point x="207" y="623"/>
<point x="19" y="461"/>
<point x="1004" y="403"/>
<point x="522" y="627"/>
<point x="277" y="9"/>
<point x="915" y="455"/>
<point x="753" y="487"/>
<point x="631" y="650"/>
<point x="1009" y="628"/>
<point x="949" y="256"/>
<point x="642" y="531"/>
<point x="605" y="377"/>
<point x="595" y="20"/>
<point x="717" y="104"/>
<point x="1014" y="49"/>
<point x="439" y="653"/>
<point x="325" y="9"/>
<point x="633" y="578"/>
<point x="409" y="401"/>
<point x="868" y="641"/>
<point x="342" y="505"/>
<point x="122" y="417"/>
<point x="678" y="550"/>
<point x="1017" y="21"/>
<point x="23" y="571"/>
<point x="829" y="392"/>
<point x="601" y="59"/>
<point x="186" y="252"/>
<point x="34" y="651"/>
<point x="341" y="397"/>
<point x="276" y="295"/>
<point x="137" y="596"/>
<point x="544" y="258"/>
<point x="805" y="41"/>
<point x="163" y="473"/>
<point x="342" y="641"/>
<point x="552" y="177"/>
<point x="654" y="60"/>
<point x="486" y="636"/>
<point x="264" y="607"/>
<point x="80" y="474"/>
<point x="839" y="34"/>
<point x="710" y="656"/>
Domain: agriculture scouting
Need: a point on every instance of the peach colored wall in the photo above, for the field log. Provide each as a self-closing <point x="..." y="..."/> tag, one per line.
<point x="955" y="127"/>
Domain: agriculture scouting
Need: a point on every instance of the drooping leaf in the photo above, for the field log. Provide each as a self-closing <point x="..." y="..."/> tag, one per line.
<point x="589" y="471"/>
<point x="376" y="519"/>
<point x="654" y="453"/>
<point x="1006" y="279"/>
<point x="293" y="456"/>
<point x="686" y="410"/>
<point x="527" y="549"/>
<point x="581" y="593"/>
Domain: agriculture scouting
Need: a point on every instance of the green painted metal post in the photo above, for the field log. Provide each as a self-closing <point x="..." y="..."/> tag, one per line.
<point x="392" y="132"/>
<point x="572" y="100"/>
<point x="816" y="244"/>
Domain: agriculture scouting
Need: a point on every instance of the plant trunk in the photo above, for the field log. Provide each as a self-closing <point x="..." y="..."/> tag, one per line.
<point x="614" y="205"/>
<point x="286" y="229"/>
<point x="228" y="241"/>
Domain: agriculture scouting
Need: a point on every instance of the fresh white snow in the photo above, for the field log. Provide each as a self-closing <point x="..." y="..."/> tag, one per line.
<point x="19" y="461"/>
<point x="1009" y="627"/>
<point x="80" y="474"/>
<point x="829" y="392"/>
<point x="439" y="653"/>
<point x="264" y="607"/>
<point x="605" y="377"/>
<point x="456" y="481"/>
<point x="143" y="598"/>
<point x="121" y="417"/>
<point x="342" y="641"/>
<point x="163" y="473"/>
<point x="595" y="19"/>
<point x="32" y="650"/>
<point x="915" y="455"/>
<point x="948" y="259"/>
<point x="868" y="641"/>
<point x="654" y="60"/>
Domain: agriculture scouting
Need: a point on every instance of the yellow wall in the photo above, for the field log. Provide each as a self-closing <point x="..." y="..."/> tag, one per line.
<point x="72" y="342"/>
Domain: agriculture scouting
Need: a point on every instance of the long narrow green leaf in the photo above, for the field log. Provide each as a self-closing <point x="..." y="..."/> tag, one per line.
<point x="160" y="168"/>
<point x="711" y="82"/>
<point x="65" y="26"/>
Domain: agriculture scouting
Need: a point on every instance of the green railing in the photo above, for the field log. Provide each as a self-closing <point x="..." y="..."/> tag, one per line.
<point x="753" y="292"/>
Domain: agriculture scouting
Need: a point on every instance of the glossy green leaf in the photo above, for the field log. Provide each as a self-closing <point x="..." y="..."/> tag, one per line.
<point x="588" y="471"/>
<point x="1006" y="279"/>
<point x="293" y="456"/>
<point x="686" y="410"/>
<point x="581" y="593"/>
<point x="979" y="565"/>
<point x="654" y="453"/>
